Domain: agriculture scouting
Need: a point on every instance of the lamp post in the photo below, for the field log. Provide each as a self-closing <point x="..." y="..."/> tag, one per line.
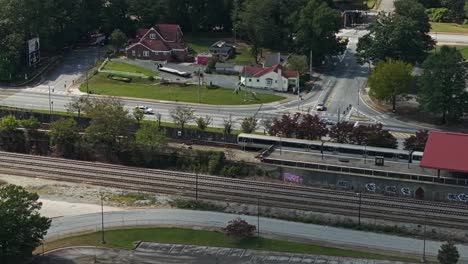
<point x="258" y="215"/>
<point x="103" y="241"/>
<point x="424" y="239"/>
<point x="359" y="208"/>
<point x="196" y="186"/>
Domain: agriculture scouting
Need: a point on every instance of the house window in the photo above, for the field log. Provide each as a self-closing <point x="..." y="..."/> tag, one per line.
<point x="152" y="36"/>
<point x="250" y="80"/>
<point x="145" y="53"/>
<point x="269" y="82"/>
<point x="133" y="53"/>
<point x="258" y="80"/>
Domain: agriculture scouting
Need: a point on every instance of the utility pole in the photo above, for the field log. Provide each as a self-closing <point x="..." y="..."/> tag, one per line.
<point x="199" y="84"/>
<point x="103" y="241"/>
<point x="424" y="239"/>
<point x="196" y="186"/>
<point x="359" y="210"/>
<point x="258" y="215"/>
<point x="50" y="106"/>
<point x="310" y="63"/>
<point x="339" y="112"/>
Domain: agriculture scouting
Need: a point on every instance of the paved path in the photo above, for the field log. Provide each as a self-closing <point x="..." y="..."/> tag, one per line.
<point x="386" y="5"/>
<point x="155" y="253"/>
<point x="268" y="227"/>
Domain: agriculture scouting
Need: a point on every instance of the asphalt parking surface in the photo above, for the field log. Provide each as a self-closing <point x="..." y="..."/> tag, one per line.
<point x="157" y="253"/>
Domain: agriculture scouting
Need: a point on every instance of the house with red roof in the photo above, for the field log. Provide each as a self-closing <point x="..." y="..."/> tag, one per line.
<point x="272" y="78"/>
<point x="163" y="42"/>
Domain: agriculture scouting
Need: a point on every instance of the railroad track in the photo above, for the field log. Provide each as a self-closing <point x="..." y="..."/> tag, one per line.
<point x="235" y="190"/>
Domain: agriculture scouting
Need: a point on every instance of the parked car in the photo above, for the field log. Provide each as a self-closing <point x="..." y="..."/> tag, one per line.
<point x="145" y="109"/>
<point x="320" y="107"/>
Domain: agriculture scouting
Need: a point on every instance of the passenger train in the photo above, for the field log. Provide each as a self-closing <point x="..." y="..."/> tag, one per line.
<point x="326" y="147"/>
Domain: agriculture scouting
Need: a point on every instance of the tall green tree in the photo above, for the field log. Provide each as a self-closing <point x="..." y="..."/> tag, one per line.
<point x="443" y="83"/>
<point x="147" y="12"/>
<point x="151" y="137"/>
<point x="448" y="253"/>
<point x="118" y="39"/>
<point x="391" y="80"/>
<point x="23" y="228"/>
<point x="64" y="137"/>
<point x="316" y="28"/>
<point x="401" y="36"/>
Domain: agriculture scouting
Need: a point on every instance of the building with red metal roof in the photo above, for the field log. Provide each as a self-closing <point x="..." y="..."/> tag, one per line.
<point x="446" y="151"/>
<point x="274" y="78"/>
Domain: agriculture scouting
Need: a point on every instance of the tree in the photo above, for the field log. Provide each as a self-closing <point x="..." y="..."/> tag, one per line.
<point x="23" y="228"/>
<point x="415" y="11"/>
<point x="396" y="37"/>
<point x="182" y="115"/>
<point x="286" y="126"/>
<point x="341" y="132"/>
<point x="147" y="12"/>
<point x="150" y="137"/>
<point x="448" y="253"/>
<point x="373" y="135"/>
<point x="111" y="127"/>
<point x="203" y="122"/>
<point x="298" y="63"/>
<point x="118" y="39"/>
<point x="138" y="114"/>
<point x="30" y="128"/>
<point x="11" y="139"/>
<point x="239" y="228"/>
<point x="77" y="104"/>
<point x="417" y="142"/>
<point x="249" y="124"/>
<point x="228" y="123"/>
<point x="311" y="127"/>
<point x="391" y="80"/>
<point x="266" y="123"/>
<point x="316" y="28"/>
<point x="64" y="137"/>
<point x="442" y="85"/>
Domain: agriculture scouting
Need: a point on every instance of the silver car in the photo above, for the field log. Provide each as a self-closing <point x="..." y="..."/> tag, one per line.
<point x="145" y="109"/>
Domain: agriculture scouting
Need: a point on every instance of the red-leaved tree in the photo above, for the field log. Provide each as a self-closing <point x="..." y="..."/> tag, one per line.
<point x="342" y="132"/>
<point x="417" y="142"/>
<point x="311" y="127"/>
<point x="286" y="126"/>
<point x="239" y="228"/>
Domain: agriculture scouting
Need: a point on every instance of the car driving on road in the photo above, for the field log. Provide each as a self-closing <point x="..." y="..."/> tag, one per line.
<point x="320" y="107"/>
<point x="145" y="109"/>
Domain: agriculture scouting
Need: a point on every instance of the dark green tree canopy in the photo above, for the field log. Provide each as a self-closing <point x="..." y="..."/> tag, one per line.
<point x="23" y="228"/>
<point x="448" y="253"/>
<point x="443" y="84"/>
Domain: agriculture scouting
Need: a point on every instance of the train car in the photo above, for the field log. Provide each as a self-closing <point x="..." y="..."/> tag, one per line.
<point x="332" y="148"/>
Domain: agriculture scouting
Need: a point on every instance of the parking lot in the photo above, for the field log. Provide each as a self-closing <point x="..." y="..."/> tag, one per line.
<point x="157" y="253"/>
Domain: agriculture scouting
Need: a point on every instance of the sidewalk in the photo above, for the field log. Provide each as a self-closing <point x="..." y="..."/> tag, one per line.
<point x="294" y="231"/>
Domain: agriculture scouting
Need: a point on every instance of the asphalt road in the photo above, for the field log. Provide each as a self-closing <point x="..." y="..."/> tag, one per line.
<point x="268" y="227"/>
<point x="386" y="6"/>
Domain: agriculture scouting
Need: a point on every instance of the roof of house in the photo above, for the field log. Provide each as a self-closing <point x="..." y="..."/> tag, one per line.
<point x="167" y="31"/>
<point x="446" y="151"/>
<point x="254" y="71"/>
<point x="272" y="59"/>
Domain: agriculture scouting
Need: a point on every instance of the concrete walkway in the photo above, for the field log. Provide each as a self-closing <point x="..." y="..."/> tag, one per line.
<point x="268" y="227"/>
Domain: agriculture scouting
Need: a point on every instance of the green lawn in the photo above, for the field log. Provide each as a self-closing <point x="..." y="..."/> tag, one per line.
<point x="125" y="67"/>
<point x="243" y="56"/>
<point x="125" y="238"/>
<point x="449" y="28"/>
<point x="142" y="88"/>
<point x="370" y="4"/>
<point x="463" y="50"/>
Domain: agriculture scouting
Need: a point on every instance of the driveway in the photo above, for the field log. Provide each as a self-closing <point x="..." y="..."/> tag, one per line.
<point x="226" y="81"/>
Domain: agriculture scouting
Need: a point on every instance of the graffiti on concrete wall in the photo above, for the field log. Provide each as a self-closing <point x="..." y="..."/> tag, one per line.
<point x="289" y="177"/>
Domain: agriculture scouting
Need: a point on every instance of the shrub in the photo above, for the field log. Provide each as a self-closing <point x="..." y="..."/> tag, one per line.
<point x="438" y="14"/>
<point x="239" y="228"/>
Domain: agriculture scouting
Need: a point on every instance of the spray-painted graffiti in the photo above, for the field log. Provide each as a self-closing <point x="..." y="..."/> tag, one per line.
<point x="406" y="191"/>
<point x="289" y="177"/>
<point x="371" y="187"/>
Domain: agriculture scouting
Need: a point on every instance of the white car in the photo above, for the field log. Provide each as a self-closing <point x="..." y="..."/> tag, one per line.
<point x="320" y="107"/>
<point x="145" y="109"/>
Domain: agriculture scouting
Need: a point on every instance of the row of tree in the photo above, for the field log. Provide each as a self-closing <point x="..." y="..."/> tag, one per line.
<point x="446" y="10"/>
<point x="397" y="42"/>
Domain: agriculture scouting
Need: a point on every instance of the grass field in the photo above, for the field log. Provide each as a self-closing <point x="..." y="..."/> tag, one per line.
<point x="125" y="67"/>
<point x="141" y="88"/>
<point x="370" y="4"/>
<point x="463" y="50"/>
<point x="124" y="239"/>
<point x="449" y="28"/>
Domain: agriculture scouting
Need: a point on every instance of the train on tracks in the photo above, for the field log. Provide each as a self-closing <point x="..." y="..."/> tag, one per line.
<point x="326" y="147"/>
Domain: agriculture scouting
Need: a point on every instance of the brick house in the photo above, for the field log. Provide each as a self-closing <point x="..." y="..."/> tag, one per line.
<point x="163" y="42"/>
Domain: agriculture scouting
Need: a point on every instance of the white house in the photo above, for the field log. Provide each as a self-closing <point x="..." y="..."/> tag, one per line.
<point x="272" y="78"/>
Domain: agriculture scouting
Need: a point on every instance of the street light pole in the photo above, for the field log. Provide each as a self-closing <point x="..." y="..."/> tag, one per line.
<point x="196" y="186"/>
<point x="359" y="209"/>
<point x="103" y="241"/>
<point x="424" y="239"/>
<point x="50" y="106"/>
<point x="258" y="216"/>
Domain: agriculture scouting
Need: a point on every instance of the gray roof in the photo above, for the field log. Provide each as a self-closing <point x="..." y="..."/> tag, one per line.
<point x="275" y="58"/>
<point x="225" y="65"/>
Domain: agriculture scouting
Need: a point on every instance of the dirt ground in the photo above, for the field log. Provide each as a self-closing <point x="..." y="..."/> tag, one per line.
<point x="231" y="154"/>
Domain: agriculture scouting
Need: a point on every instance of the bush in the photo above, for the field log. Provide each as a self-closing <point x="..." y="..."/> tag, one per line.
<point x="438" y="14"/>
<point x="239" y="228"/>
<point x="151" y="79"/>
<point x="120" y="78"/>
<point x="197" y="205"/>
